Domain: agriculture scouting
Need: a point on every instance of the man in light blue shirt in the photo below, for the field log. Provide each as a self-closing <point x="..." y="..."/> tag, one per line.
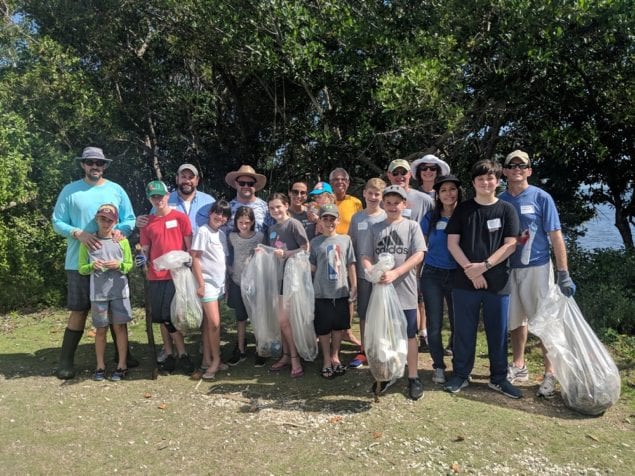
<point x="74" y="218"/>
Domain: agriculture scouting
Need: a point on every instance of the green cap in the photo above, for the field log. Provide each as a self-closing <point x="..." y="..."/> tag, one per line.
<point x="156" y="187"/>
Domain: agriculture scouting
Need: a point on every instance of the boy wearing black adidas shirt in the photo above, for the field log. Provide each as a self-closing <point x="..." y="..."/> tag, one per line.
<point x="403" y="239"/>
<point x="481" y="236"/>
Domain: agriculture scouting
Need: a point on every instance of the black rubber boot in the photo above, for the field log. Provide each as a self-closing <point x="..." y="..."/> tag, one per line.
<point x="66" y="368"/>
<point x="130" y="360"/>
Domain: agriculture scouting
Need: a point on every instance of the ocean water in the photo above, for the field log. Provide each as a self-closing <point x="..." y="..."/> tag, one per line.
<point x="601" y="232"/>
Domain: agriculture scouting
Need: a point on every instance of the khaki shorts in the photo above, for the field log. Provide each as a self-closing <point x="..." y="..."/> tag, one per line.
<point x="528" y="287"/>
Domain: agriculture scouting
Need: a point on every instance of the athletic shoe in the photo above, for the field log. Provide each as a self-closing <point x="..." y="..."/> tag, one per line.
<point x="237" y="357"/>
<point x="169" y="364"/>
<point x="119" y="375"/>
<point x="415" y="388"/>
<point x="455" y="384"/>
<point x="186" y="364"/>
<point x="260" y="361"/>
<point x="517" y="374"/>
<point x="99" y="375"/>
<point x="383" y="386"/>
<point x="547" y="388"/>
<point x="438" y="376"/>
<point x="162" y="356"/>
<point x="506" y="388"/>
<point x="359" y="361"/>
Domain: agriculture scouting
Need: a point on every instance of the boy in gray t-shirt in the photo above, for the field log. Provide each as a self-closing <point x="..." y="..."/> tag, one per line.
<point x="335" y="283"/>
<point x="403" y="239"/>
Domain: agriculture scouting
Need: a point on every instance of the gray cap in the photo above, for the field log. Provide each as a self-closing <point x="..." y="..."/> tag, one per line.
<point x="189" y="167"/>
<point x="395" y="189"/>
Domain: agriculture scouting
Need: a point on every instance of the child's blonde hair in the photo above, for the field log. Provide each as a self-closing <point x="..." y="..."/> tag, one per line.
<point x="375" y="183"/>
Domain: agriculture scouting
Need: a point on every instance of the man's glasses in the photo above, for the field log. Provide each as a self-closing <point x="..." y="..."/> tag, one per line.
<point x="298" y="192"/>
<point x="517" y="166"/>
<point x="245" y="184"/>
<point x="399" y="172"/>
<point x="98" y="163"/>
<point x="339" y="179"/>
<point x="424" y="168"/>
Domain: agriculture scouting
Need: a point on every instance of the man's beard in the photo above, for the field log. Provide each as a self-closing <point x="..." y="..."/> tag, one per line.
<point x="186" y="190"/>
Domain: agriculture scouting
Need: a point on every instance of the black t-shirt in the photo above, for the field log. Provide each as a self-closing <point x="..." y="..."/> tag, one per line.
<point x="483" y="229"/>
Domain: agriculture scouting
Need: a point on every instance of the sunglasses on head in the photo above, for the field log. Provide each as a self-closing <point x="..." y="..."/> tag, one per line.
<point x="98" y="163"/>
<point x="298" y="192"/>
<point x="431" y="168"/>
<point x="399" y="172"/>
<point x="245" y="184"/>
<point x="517" y="166"/>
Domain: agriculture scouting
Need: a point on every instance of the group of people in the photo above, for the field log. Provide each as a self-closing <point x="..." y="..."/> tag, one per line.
<point x="489" y="253"/>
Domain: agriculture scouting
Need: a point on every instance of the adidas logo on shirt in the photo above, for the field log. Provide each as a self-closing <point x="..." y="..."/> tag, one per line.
<point x="392" y="244"/>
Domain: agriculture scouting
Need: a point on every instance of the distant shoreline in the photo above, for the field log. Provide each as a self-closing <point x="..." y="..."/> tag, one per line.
<point x="601" y="232"/>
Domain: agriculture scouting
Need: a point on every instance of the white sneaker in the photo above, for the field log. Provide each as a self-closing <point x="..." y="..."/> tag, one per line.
<point x="517" y="374"/>
<point x="438" y="376"/>
<point x="547" y="388"/>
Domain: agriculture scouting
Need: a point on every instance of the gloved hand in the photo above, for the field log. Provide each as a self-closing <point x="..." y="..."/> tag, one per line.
<point x="566" y="284"/>
<point x="139" y="260"/>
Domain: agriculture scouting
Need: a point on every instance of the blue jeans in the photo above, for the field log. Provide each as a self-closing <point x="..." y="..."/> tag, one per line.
<point x="436" y="284"/>
<point x="467" y="307"/>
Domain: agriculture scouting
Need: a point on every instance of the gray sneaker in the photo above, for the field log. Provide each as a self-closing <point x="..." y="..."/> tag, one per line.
<point x="517" y="374"/>
<point x="547" y="388"/>
<point x="438" y="376"/>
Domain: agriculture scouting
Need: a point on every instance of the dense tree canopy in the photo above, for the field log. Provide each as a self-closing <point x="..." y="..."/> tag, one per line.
<point x="297" y="87"/>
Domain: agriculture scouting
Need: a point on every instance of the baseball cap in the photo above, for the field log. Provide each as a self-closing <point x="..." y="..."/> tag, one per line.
<point x="156" y="187"/>
<point x="189" y="167"/>
<point x="517" y="154"/>
<point x="443" y="179"/>
<point x="395" y="164"/>
<point x="320" y="188"/>
<point x="329" y="209"/>
<point x="108" y="211"/>
<point x="395" y="189"/>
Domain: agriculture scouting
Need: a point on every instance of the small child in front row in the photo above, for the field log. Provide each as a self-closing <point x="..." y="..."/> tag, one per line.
<point x="107" y="266"/>
<point x="209" y="250"/>
<point x="241" y="246"/>
<point x="335" y="284"/>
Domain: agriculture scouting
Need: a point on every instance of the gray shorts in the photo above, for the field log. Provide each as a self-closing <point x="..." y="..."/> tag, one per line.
<point x="78" y="292"/>
<point x="120" y="312"/>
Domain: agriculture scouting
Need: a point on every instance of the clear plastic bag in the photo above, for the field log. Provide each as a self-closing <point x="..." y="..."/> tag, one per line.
<point x="385" y="334"/>
<point x="259" y="285"/>
<point x="299" y="300"/>
<point x="186" y="311"/>
<point x="589" y="379"/>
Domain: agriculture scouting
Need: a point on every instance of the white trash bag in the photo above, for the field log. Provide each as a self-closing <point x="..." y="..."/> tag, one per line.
<point x="385" y="334"/>
<point x="299" y="300"/>
<point x="186" y="311"/>
<point x="589" y="379"/>
<point x="259" y="286"/>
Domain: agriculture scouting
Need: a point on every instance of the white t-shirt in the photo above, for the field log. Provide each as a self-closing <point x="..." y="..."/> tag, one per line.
<point x="213" y="245"/>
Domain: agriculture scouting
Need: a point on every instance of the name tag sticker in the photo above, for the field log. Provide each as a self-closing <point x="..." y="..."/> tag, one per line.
<point x="526" y="209"/>
<point x="494" y="224"/>
<point x="406" y="213"/>
<point x="362" y="226"/>
<point x="171" y="224"/>
<point x="441" y="225"/>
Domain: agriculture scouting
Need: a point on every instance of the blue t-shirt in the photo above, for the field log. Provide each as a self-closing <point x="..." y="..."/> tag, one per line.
<point x="76" y="207"/>
<point x="537" y="211"/>
<point x="437" y="254"/>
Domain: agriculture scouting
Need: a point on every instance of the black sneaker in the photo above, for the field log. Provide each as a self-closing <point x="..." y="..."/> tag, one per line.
<point x="415" y="388"/>
<point x="260" y="361"/>
<point x="237" y="357"/>
<point x="383" y="386"/>
<point x="506" y="389"/>
<point x="455" y="384"/>
<point x="168" y="365"/>
<point x="186" y="364"/>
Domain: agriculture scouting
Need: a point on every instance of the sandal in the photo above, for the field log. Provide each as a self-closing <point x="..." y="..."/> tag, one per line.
<point x="327" y="373"/>
<point x="299" y="372"/>
<point x="277" y="367"/>
<point x="339" y="370"/>
<point x="208" y="377"/>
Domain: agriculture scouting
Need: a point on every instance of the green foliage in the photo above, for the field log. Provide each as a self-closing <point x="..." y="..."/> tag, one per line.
<point x="605" y="293"/>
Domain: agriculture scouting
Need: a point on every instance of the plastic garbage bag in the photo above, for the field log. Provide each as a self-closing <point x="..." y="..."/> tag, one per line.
<point x="299" y="300"/>
<point x="259" y="285"/>
<point x="589" y="379"/>
<point x="385" y="335"/>
<point x="186" y="311"/>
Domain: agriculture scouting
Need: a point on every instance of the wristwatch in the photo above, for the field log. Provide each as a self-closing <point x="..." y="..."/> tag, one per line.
<point x="488" y="265"/>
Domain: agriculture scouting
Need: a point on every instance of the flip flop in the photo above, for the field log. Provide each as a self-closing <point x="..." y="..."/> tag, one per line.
<point x="278" y="367"/>
<point x="208" y="377"/>
<point x="327" y="373"/>
<point x="339" y="370"/>
<point x="297" y="373"/>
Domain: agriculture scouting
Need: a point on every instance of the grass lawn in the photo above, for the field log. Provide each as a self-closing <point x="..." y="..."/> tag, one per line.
<point x="251" y="421"/>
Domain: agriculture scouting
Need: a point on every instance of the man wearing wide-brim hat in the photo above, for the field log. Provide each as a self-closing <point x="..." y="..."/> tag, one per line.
<point x="74" y="218"/>
<point x="247" y="182"/>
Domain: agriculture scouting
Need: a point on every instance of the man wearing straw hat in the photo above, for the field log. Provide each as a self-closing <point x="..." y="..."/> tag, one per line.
<point x="247" y="182"/>
<point x="74" y="218"/>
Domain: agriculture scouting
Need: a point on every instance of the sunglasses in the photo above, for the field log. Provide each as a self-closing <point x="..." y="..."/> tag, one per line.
<point x="424" y="168"/>
<point x="400" y="172"/>
<point x="298" y="192"/>
<point x="98" y="163"/>
<point x="245" y="184"/>
<point x="517" y="166"/>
